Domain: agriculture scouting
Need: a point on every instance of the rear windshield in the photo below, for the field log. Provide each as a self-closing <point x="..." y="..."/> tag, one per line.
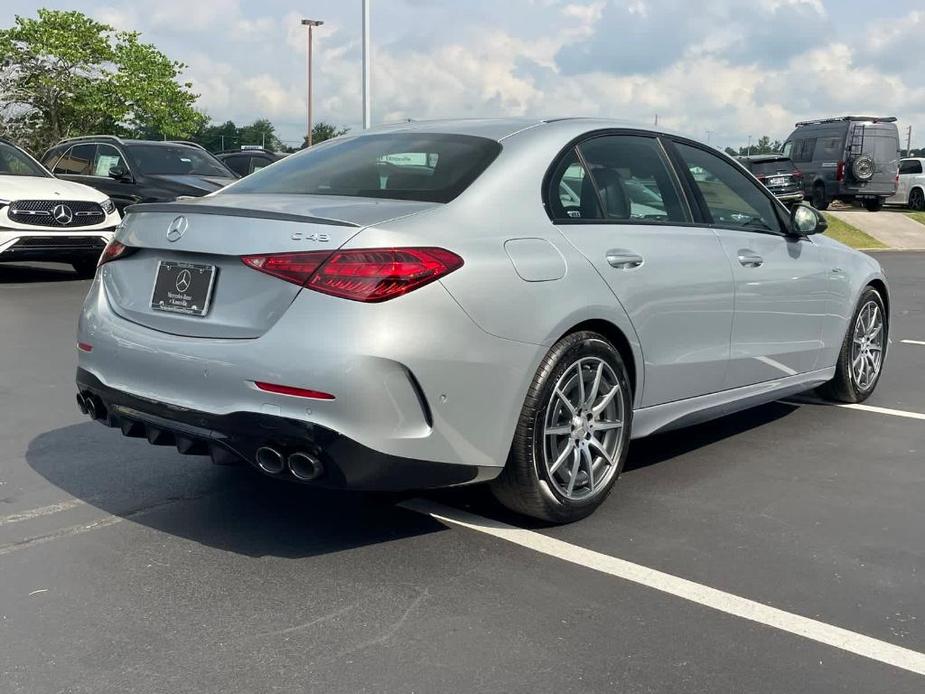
<point x="761" y="168"/>
<point x="404" y="166"/>
<point x="176" y="160"/>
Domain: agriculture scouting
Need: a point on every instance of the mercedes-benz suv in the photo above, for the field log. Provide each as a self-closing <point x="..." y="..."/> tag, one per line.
<point x="45" y="218"/>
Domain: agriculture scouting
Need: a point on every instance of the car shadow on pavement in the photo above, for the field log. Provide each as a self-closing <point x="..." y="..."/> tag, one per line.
<point x="234" y="508"/>
<point x="47" y="272"/>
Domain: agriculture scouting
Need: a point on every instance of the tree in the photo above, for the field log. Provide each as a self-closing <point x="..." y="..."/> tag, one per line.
<point x="324" y="131"/>
<point x="229" y="136"/>
<point x="764" y="145"/>
<point x="64" y="74"/>
<point x="260" y="132"/>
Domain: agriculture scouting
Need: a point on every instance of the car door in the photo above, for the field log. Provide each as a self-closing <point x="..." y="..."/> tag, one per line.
<point x="615" y="197"/>
<point x="123" y="190"/>
<point x="781" y="280"/>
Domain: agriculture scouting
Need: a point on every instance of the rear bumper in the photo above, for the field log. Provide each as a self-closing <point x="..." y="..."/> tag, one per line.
<point x="790" y="197"/>
<point x="236" y="436"/>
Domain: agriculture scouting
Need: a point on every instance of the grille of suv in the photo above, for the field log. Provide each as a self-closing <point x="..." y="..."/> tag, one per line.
<point x="65" y="214"/>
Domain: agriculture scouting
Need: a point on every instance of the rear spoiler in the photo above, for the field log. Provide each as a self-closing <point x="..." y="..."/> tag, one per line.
<point x="196" y="208"/>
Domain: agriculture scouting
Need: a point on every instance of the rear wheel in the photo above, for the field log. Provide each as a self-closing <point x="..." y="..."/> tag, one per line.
<point x="573" y="434"/>
<point x="917" y="200"/>
<point x="873" y="204"/>
<point x="860" y="361"/>
<point x="85" y="269"/>
<point x="819" y="199"/>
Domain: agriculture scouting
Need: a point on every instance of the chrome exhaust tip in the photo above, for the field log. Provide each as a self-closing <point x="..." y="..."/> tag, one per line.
<point x="270" y="460"/>
<point x="305" y="467"/>
<point x="92" y="409"/>
<point x="82" y="403"/>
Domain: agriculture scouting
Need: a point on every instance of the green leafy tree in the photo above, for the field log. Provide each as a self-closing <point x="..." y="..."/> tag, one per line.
<point x="64" y="74"/>
<point x="260" y="132"/>
<point x="322" y="131"/>
<point x="764" y="145"/>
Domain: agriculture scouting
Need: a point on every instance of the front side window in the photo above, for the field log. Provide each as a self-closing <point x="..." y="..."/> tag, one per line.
<point x="77" y="161"/>
<point x="107" y="159"/>
<point x="427" y="167"/>
<point x="633" y="179"/>
<point x="731" y="198"/>
<point x="15" y="163"/>
<point x="176" y="160"/>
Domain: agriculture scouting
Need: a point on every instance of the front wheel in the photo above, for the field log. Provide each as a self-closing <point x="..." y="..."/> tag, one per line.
<point x="873" y="204"/>
<point x="861" y="358"/>
<point x="573" y="433"/>
<point x="819" y="199"/>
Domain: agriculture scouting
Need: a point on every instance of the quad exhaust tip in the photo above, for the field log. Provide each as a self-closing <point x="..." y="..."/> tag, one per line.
<point x="304" y="466"/>
<point x="270" y="460"/>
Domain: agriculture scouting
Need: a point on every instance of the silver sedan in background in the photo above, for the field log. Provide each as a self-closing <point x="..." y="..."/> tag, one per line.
<point x="443" y="303"/>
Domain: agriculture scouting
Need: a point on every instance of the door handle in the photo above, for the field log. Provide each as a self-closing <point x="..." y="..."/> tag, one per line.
<point x="750" y="259"/>
<point x="624" y="260"/>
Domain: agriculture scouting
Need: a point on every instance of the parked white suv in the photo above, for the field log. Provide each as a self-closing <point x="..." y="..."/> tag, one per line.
<point x="910" y="188"/>
<point x="45" y="218"/>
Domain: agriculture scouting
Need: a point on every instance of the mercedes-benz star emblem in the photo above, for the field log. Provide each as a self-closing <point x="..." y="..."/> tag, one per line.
<point x="62" y="214"/>
<point x="177" y="228"/>
<point x="184" y="279"/>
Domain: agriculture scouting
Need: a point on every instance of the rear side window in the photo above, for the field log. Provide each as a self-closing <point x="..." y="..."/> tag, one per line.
<point x="731" y="198"/>
<point x="803" y="149"/>
<point x="77" y="161"/>
<point x="571" y="193"/>
<point x="910" y="166"/>
<point x="632" y="179"/>
<point x="427" y="167"/>
<point x="828" y="148"/>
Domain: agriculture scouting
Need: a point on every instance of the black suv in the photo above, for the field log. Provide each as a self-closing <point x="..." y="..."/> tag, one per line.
<point x="846" y="158"/>
<point x="778" y="174"/>
<point x="132" y="171"/>
<point x="247" y="160"/>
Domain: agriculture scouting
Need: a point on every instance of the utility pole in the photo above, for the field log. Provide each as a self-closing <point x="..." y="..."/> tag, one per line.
<point x="909" y="141"/>
<point x="311" y="24"/>
<point x="367" y="105"/>
<point x="709" y="134"/>
<point x="656" y="120"/>
<point x="749" y="145"/>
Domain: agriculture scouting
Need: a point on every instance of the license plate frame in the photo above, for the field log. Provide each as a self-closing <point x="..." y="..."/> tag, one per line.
<point x="179" y="293"/>
<point x="777" y="181"/>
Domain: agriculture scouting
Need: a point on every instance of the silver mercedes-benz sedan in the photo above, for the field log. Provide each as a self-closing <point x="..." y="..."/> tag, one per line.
<point x="444" y="303"/>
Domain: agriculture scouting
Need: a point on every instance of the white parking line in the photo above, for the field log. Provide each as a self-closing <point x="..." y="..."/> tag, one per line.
<point x="812" y="629"/>
<point x="103" y="522"/>
<point x="913" y="342"/>
<point x="43" y="511"/>
<point x="853" y="406"/>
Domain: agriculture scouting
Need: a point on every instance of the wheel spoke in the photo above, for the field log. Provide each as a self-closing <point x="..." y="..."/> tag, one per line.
<point x="605" y="401"/>
<point x="586" y="454"/>
<point x="576" y="464"/>
<point x="596" y="387"/>
<point x="565" y="401"/>
<point x="559" y="430"/>
<point x="562" y="457"/>
<point x="581" y="385"/>
<point x="607" y="426"/>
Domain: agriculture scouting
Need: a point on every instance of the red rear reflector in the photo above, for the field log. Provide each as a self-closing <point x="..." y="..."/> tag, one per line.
<point x="292" y="267"/>
<point x="84" y="347"/>
<point x="290" y="390"/>
<point x="369" y="275"/>
<point x="840" y="171"/>
<point x="114" y="249"/>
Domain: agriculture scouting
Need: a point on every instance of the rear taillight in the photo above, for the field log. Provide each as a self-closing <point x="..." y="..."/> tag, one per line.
<point x="114" y="250"/>
<point x="840" y="171"/>
<point x="292" y="267"/>
<point x="369" y="275"/>
<point x="762" y="178"/>
<point x="797" y="173"/>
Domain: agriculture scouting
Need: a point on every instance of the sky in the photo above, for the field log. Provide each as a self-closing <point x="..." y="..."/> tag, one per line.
<point x="718" y="70"/>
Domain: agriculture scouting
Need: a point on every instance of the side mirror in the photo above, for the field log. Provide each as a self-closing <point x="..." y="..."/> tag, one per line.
<point x="806" y="220"/>
<point x="119" y="173"/>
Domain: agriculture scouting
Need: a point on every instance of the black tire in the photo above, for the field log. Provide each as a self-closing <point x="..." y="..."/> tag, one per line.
<point x="845" y="387"/>
<point x="85" y="269"/>
<point x="873" y="204"/>
<point x="819" y="198"/>
<point x="917" y="200"/>
<point x="525" y="485"/>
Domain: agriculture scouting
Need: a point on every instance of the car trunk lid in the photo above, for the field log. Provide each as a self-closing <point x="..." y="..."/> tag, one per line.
<point x="209" y="237"/>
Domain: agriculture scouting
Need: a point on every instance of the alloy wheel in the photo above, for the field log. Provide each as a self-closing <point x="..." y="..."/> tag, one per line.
<point x="867" y="346"/>
<point x="582" y="431"/>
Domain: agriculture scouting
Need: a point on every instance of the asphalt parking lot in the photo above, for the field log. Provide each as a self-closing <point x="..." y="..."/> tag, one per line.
<point x="128" y="568"/>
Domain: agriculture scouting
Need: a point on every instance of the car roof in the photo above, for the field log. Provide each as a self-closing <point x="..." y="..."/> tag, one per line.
<point x="502" y="128"/>
<point x="758" y="158"/>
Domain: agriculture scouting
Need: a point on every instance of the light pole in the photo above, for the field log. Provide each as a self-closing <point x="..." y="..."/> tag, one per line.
<point x="311" y="24"/>
<point x="367" y="116"/>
